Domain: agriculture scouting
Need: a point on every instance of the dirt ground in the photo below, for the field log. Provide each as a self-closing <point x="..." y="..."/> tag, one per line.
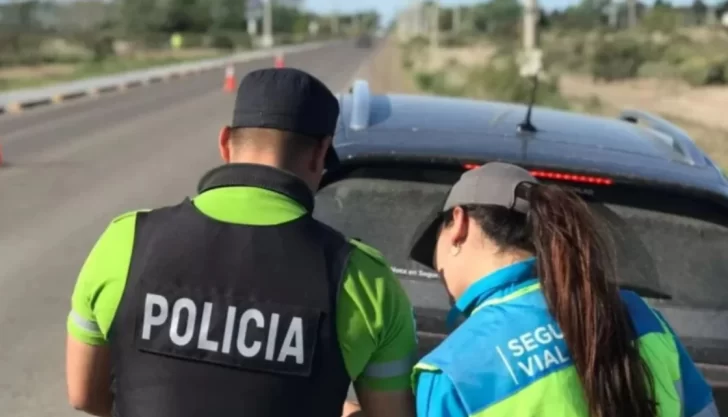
<point x="386" y="75"/>
<point x="706" y="105"/>
<point x="702" y="112"/>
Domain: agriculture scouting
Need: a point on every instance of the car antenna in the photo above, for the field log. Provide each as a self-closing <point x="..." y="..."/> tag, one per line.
<point x="526" y="125"/>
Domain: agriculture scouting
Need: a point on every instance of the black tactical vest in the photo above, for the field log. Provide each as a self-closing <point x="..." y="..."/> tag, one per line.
<point x="220" y="320"/>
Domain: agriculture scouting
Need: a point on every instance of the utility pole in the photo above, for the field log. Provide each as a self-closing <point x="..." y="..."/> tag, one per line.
<point x="711" y="18"/>
<point x="434" y="28"/>
<point x="334" y="18"/>
<point x="418" y="11"/>
<point x="434" y="24"/>
<point x="531" y="61"/>
<point x="613" y="11"/>
<point x="267" y="40"/>
<point x="631" y="14"/>
<point x="530" y="23"/>
<point x="401" y="24"/>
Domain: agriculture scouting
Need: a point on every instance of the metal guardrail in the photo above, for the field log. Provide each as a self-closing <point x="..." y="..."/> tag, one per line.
<point x="18" y="100"/>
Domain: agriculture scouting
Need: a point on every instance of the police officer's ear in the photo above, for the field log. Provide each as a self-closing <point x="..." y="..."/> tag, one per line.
<point x="321" y="149"/>
<point x="223" y="143"/>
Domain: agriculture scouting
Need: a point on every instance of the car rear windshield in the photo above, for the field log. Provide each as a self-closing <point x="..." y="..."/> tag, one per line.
<point x="677" y="243"/>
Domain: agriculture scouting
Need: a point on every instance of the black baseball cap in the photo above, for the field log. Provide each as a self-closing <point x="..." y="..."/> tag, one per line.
<point x="493" y="184"/>
<point x="287" y="99"/>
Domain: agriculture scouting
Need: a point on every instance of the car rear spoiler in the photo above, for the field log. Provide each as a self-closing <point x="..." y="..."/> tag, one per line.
<point x="681" y="139"/>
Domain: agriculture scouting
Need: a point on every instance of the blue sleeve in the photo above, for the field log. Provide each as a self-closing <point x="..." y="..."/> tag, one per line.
<point x="436" y="397"/>
<point x="697" y="394"/>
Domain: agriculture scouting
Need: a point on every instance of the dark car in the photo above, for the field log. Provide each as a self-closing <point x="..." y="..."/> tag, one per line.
<point x="364" y="41"/>
<point x="664" y="200"/>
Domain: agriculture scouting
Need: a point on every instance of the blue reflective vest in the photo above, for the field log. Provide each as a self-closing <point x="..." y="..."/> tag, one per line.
<point x="509" y="358"/>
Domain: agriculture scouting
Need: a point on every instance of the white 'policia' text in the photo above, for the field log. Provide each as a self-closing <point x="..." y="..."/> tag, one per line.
<point x="183" y="332"/>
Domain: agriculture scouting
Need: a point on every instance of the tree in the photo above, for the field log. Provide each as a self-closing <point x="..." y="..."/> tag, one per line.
<point x="229" y="14"/>
<point x="662" y="18"/>
<point x="699" y="11"/>
<point x="22" y="15"/>
<point x="497" y="17"/>
<point x="445" y="17"/>
<point x="140" y="16"/>
<point x="285" y="19"/>
<point x="585" y="16"/>
<point x="187" y="16"/>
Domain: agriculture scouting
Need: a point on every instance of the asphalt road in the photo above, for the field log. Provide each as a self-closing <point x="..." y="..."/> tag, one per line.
<point x="69" y="170"/>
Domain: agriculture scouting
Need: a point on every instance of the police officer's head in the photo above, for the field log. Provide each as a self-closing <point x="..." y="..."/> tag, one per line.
<point x="499" y="215"/>
<point x="284" y="118"/>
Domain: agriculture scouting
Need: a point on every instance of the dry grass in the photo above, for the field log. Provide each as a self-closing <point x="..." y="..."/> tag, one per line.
<point x="705" y="105"/>
<point x="191" y="53"/>
<point x="385" y="73"/>
<point x="39" y="75"/>
<point x="702" y="112"/>
<point x="37" y="71"/>
<point x="467" y="56"/>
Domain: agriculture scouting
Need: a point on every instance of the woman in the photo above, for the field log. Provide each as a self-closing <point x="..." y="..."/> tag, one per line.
<point x="546" y="333"/>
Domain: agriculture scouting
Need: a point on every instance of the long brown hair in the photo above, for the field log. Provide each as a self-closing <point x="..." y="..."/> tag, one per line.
<point x="576" y="268"/>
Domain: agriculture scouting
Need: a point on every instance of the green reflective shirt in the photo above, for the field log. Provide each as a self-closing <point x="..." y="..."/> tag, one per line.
<point x="374" y="316"/>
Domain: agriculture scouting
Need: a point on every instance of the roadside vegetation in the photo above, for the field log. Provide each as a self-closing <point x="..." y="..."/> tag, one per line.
<point x="673" y="62"/>
<point x="43" y="42"/>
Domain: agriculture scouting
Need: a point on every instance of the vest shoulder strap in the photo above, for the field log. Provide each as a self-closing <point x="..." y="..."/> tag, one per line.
<point x="128" y="214"/>
<point x="370" y="251"/>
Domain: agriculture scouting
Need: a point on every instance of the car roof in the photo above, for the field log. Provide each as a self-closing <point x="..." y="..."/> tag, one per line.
<point x="432" y="128"/>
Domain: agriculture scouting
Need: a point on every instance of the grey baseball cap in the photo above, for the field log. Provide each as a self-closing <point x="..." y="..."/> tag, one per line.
<point x="493" y="184"/>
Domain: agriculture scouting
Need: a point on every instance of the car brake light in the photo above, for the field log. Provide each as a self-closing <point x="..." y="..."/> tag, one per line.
<point x="561" y="176"/>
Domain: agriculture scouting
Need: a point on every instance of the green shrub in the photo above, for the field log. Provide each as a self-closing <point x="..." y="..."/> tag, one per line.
<point x="566" y="54"/>
<point x="454" y="41"/>
<point x="193" y="40"/>
<point x="617" y="59"/>
<point x="679" y="51"/>
<point x="435" y="82"/>
<point x="504" y="83"/>
<point x="407" y="63"/>
<point x="222" y="42"/>
<point x="663" y="19"/>
<point x="242" y="40"/>
<point x="425" y="80"/>
<point x="103" y="48"/>
<point x="593" y="104"/>
<point x="418" y="42"/>
<point x="658" y="69"/>
<point x="699" y="71"/>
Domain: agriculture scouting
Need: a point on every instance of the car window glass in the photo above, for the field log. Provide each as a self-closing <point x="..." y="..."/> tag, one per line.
<point x="678" y="255"/>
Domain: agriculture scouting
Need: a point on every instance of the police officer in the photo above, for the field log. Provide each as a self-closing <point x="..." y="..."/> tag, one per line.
<point x="237" y="301"/>
<point x="546" y="332"/>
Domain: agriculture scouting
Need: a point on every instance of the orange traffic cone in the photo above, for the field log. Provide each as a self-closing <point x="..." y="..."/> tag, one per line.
<point x="229" y="84"/>
<point x="279" y="61"/>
